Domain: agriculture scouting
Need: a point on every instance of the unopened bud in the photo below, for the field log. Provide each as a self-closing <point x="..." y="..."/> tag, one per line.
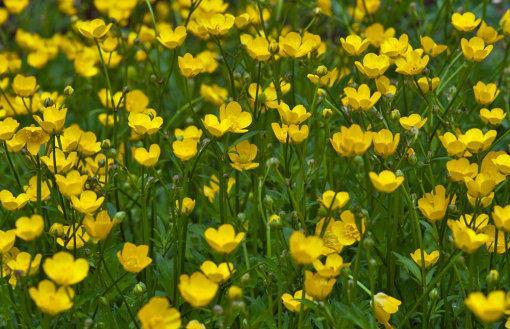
<point x="68" y="91"/>
<point x="321" y="71"/>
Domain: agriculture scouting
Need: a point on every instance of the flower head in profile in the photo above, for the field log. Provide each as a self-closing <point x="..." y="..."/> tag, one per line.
<point x="172" y="38"/>
<point x="63" y="269"/>
<point x="386" y="181"/>
<point x="428" y="259"/>
<point x="385" y="306"/>
<point x="147" y="158"/>
<point x="93" y="29"/>
<point x="293" y="302"/>
<point x="488" y="308"/>
<point x="223" y="240"/>
<point x="50" y="299"/>
<point x="158" y="313"/>
<point x="197" y="289"/>
<point x="465" y="22"/>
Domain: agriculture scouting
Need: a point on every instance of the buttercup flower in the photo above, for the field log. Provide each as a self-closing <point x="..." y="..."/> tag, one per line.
<point x="386" y="181"/>
<point x="318" y="286"/>
<point x="50" y="299"/>
<point x="412" y="121"/>
<point x="94" y="29"/>
<point x="11" y="202"/>
<point x="72" y="184"/>
<point x="290" y="133"/>
<point x="373" y="65"/>
<point x="331" y="267"/>
<point x="134" y="258"/>
<point x="223" y="240"/>
<point x="29" y="228"/>
<point x="217" y="273"/>
<point x="433" y="205"/>
<point x="475" y="49"/>
<point x="87" y="203"/>
<point x="332" y="200"/>
<point x="190" y="66"/>
<point x="430" y="47"/>
<point x="295" y="45"/>
<point x="385" y="306"/>
<point x="293" y="302"/>
<point x="242" y="156"/>
<point x="147" y="158"/>
<point x="385" y="143"/>
<point x="465" y="22"/>
<point x="305" y="250"/>
<point x="197" y="289"/>
<point x="158" y="313"/>
<point x="487" y="308"/>
<point x="485" y="94"/>
<point x="354" y="45"/>
<point x="257" y="47"/>
<point x="63" y="269"/>
<point x="172" y="39"/>
<point x="99" y="227"/>
<point x="426" y="84"/>
<point x="494" y="116"/>
<point x="360" y="99"/>
<point x="351" y="141"/>
<point x="24" y="86"/>
<point x="7" y="239"/>
<point x="428" y="259"/>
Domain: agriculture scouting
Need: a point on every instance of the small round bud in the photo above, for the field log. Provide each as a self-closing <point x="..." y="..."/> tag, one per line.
<point x="68" y="91"/>
<point x="245" y="278"/>
<point x="139" y="288"/>
<point x="88" y="323"/>
<point x="275" y="221"/>
<point x="119" y="216"/>
<point x="368" y="243"/>
<point x="103" y="300"/>
<point x="372" y="264"/>
<point x="235" y="292"/>
<point x="327" y="113"/>
<point x="241" y="216"/>
<point x="106" y="144"/>
<point x="434" y="294"/>
<point x="321" y="70"/>
<point x="395" y="114"/>
<point x="492" y="277"/>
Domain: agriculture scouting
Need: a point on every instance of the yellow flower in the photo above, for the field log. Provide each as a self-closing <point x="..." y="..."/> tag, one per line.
<point x="134" y="258"/>
<point x="94" y="29"/>
<point x="190" y="132"/>
<point x="197" y="289"/>
<point x="501" y="217"/>
<point x="172" y="39"/>
<point x="480" y="186"/>
<point x="431" y="48"/>
<point x="29" y="228"/>
<point x="217" y="273"/>
<point x="385" y="143"/>
<point x="24" y="264"/>
<point x="7" y="239"/>
<point x="296" y="116"/>
<point x="305" y="250"/>
<point x="493" y="243"/>
<point x="412" y="121"/>
<point x="88" y="144"/>
<point x="393" y="47"/>
<point x="32" y="187"/>
<point x="242" y="156"/>
<point x="331" y="268"/>
<point x="465" y="238"/>
<point x="376" y="34"/>
<point x="384" y="86"/>
<point x="16" y="6"/>
<point x="386" y="181"/>
<point x="58" y="162"/>
<point x="360" y="99"/>
<point x="217" y="24"/>
<point x="232" y="118"/>
<point x="475" y="49"/>
<point x="427" y="84"/>
<point x="485" y="94"/>
<point x="145" y="123"/>
<point x="257" y="47"/>
<point x="293" y="303"/>
<point x="502" y="162"/>
<point x="71" y="184"/>
<point x="8" y="127"/>
<point x="158" y="314"/>
<point x="32" y="138"/>
<point x="211" y="190"/>
<point x="185" y="149"/>
<point x="385" y="306"/>
<point x="373" y="65"/>
<point x="465" y="22"/>
<point x="494" y="116"/>
<point x="488" y="308"/>
<point x="190" y="66"/>
<point x="223" y="240"/>
<point x="318" y="286"/>
<point x="476" y="141"/>
<point x="100" y="227"/>
<point x="234" y="292"/>
<point x="294" y="45"/>
<point x="24" y="86"/>
<point x="52" y="120"/>
<point x="412" y="63"/>
<point x="428" y="259"/>
<point x="187" y="205"/>
<point x="10" y="202"/>
<point x="64" y="270"/>
<point x="354" y="45"/>
<point x="147" y="158"/>
<point x="346" y="229"/>
<point x="488" y="34"/>
<point x="194" y="324"/>
<point x="214" y="94"/>
<point x="505" y="22"/>
<point x="332" y="200"/>
<point x="70" y="237"/>
<point x="51" y="300"/>
<point x="135" y="101"/>
<point x="433" y="205"/>
<point x="209" y="61"/>
<point x="87" y="203"/>
<point x="290" y="133"/>
<point x="453" y="145"/>
<point x="351" y="141"/>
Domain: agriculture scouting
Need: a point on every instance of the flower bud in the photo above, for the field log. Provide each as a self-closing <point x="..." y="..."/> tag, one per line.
<point x="119" y="216"/>
<point x="327" y="113"/>
<point x="395" y="114"/>
<point x="139" y="288"/>
<point x="434" y="294"/>
<point x="321" y="70"/>
<point x="68" y="91"/>
<point x="106" y="144"/>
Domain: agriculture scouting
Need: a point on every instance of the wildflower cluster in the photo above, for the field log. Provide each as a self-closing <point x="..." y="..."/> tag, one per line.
<point x="254" y="164"/>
